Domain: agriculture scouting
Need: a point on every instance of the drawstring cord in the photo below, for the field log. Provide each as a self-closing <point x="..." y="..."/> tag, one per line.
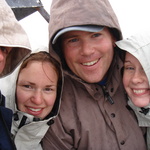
<point x="106" y="93"/>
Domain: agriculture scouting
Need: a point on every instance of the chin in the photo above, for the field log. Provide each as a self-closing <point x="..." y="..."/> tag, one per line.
<point x="141" y="104"/>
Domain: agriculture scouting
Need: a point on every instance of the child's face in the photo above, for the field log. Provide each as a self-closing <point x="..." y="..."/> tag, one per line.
<point x="135" y="81"/>
<point x="37" y="89"/>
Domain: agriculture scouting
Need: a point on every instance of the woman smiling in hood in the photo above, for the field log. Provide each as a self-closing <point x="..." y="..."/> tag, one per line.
<point x="136" y="77"/>
<point x="38" y="91"/>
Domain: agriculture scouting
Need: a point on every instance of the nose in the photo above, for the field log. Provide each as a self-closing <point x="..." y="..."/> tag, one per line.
<point x="37" y="97"/>
<point x="138" y="77"/>
<point x="87" y="48"/>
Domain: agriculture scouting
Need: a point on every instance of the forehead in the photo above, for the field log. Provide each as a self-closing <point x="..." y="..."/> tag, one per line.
<point x="37" y="71"/>
<point x="34" y="66"/>
<point x="132" y="59"/>
<point x="129" y="56"/>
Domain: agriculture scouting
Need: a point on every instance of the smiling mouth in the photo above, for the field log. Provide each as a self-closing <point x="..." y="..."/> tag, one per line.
<point x="35" y="110"/>
<point x="90" y="63"/>
<point x="139" y="91"/>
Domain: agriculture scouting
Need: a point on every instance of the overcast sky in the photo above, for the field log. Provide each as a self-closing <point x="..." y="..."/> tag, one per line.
<point x="133" y="16"/>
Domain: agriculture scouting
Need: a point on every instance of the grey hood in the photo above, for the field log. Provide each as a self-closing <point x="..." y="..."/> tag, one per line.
<point x="12" y="35"/>
<point x="67" y="13"/>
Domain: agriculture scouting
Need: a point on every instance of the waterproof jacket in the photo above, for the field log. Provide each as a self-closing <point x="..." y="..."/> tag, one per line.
<point x="92" y="116"/>
<point x="26" y="129"/>
<point x="139" y="46"/>
<point x="11" y="35"/>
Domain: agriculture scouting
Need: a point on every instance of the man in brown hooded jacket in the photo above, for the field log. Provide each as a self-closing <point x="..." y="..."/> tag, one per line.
<point x="93" y="113"/>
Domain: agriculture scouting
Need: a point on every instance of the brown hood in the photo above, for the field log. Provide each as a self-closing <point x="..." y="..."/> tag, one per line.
<point x="66" y="13"/>
<point x="12" y="35"/>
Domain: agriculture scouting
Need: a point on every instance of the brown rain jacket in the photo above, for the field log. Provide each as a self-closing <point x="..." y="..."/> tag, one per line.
<point x="92" y="116"/>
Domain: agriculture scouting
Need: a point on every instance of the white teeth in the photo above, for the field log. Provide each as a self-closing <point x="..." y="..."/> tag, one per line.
<point x="34" y="109"/>
<point x="139" y="91"/>
<point x="90" y="63"/>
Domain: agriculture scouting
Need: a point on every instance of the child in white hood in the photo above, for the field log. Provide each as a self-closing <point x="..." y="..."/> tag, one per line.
<point x="136" y="77"/>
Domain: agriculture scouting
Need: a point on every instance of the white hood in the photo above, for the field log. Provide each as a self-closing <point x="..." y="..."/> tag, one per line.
<point x="139" y="46"/>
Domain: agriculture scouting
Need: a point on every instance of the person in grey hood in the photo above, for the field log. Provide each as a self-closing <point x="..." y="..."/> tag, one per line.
<point x="93" y="113"/>
<point x="14" y="46"/>
<point x="136" y="76"/>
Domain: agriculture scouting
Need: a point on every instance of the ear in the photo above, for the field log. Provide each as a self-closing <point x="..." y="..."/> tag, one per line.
<point x="114" y="44"/>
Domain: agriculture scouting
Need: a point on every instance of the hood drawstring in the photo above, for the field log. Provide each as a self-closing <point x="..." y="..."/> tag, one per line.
<point x="144" y="110"/>
<point x="23" y="121"/>
<point x="106" y="93"/>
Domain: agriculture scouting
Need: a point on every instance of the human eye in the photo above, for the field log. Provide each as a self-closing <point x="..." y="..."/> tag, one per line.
<point x="4" y="50"/>
<point x="49" y="89"/>
<point x="129" y="68"/>
<point x="27" y="87"/>
<point x="73" y="40"/>
<point x="96" y="35"/>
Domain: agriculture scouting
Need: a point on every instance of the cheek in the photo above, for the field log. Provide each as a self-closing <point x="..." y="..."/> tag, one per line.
<point x="125" y="81"/>
<point x="50" y="100"/>
<point x="68" y="54"/>
<point x="21" y="96"/>
<point x="2" y="65"/>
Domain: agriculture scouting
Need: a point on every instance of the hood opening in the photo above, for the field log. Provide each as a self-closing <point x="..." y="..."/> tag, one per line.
<point x="13" y="59"/>
<point x="57" y="46"/>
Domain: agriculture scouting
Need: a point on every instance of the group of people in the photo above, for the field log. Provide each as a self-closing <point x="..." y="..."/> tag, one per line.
<point x="89" y="91"/>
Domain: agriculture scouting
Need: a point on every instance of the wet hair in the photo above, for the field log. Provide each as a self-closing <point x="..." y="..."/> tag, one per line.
<point x="42" y="56"/>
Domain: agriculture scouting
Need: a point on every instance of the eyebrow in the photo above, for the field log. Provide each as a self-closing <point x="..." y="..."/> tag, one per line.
<point x="33" y="84"/>
<point x="127" y="61"/>
<point x="69" y="36"/>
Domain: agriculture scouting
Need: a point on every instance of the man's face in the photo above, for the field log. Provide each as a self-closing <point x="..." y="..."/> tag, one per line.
<point x="88" y="54"/>
<point x="4" y="51"/>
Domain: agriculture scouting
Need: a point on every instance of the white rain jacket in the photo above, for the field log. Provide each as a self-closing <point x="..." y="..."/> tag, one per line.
<point x="28" y="134"/>
<point x="139" y="46"/>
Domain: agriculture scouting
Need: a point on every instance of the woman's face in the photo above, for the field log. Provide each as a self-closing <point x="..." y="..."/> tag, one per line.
<point x="37" y="89"/>
<point x="135" y="81"/>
